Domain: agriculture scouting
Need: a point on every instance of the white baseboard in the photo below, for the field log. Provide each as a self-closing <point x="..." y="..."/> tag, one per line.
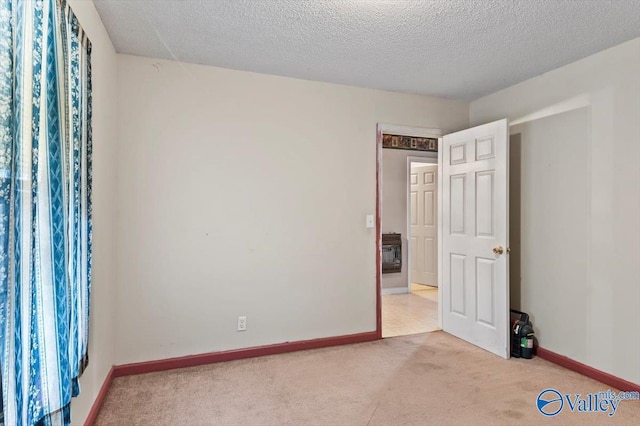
<point x="394" y="290"/>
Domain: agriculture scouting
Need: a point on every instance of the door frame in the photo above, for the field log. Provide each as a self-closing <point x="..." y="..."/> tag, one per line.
<point x="431" y="160"/>
<point x="404" y="131"/>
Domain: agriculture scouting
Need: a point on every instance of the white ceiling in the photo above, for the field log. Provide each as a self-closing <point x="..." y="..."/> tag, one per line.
<point x="449" y="48"/>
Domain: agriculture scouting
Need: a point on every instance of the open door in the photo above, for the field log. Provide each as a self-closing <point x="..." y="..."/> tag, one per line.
<point x="474" y="237"/>
<point x="423" y="201"/>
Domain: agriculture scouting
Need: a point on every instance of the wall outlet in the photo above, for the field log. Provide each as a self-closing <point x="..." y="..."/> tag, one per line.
<point x="242" y="323"/>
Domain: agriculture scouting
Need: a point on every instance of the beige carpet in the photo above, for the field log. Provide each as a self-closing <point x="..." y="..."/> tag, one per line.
<point x="423" y="379"/>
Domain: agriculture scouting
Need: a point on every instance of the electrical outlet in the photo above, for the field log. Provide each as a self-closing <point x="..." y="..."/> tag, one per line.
<point x="242" y="323"/>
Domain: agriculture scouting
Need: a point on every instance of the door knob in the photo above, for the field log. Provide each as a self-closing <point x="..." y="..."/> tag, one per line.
<point x="498" y="250"/>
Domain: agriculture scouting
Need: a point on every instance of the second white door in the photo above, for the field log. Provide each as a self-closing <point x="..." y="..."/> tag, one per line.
<point x="424" y="226"/>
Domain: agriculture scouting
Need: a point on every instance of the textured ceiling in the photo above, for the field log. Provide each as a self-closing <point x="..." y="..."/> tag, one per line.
<point x="449" y="48"/>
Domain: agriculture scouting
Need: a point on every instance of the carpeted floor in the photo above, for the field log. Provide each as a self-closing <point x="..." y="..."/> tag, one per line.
<point x="431" y="378"/>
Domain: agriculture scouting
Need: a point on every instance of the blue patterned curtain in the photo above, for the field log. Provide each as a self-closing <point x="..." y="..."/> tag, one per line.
<point x="45" y="209"/>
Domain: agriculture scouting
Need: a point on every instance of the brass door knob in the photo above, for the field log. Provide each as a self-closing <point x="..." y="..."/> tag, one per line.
<point x="498" y="250"/>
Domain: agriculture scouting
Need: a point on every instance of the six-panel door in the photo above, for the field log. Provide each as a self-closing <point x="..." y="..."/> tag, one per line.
<point x="475" y="236"/>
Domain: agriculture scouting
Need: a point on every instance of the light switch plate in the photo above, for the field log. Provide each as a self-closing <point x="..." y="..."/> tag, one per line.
<point x="371" y="223"/>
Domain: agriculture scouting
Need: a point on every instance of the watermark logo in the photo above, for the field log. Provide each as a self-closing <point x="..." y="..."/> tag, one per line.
<point x="550" y="402"/>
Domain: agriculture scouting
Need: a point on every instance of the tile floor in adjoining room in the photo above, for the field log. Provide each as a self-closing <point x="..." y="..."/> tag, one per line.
<point x="410" y="313"/>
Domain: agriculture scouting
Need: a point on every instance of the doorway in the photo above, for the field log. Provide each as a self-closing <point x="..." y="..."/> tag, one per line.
<point x="473" y="237"/>
<point x="409" y="296"/>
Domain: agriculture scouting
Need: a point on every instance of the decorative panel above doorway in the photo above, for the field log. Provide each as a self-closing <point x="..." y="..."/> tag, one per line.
<point x="410" y="142"/>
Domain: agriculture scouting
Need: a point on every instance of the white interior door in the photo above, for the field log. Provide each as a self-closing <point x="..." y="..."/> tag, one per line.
<point x="424" y="226"/>
<point x="475" y="223"/>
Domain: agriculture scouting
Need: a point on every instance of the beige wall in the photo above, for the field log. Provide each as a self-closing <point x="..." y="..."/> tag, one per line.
<point x="101" y="332"/>
<point x="579" y="212"/>
<point x="246" y="194"/>
<point x="394" y="206"/>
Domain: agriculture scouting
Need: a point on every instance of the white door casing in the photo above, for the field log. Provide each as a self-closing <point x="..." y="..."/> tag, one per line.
<point x="475" y="221"/>
<point x="423" y="219"/>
